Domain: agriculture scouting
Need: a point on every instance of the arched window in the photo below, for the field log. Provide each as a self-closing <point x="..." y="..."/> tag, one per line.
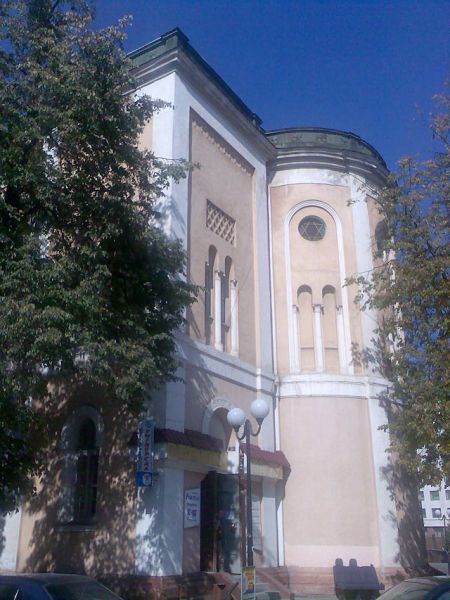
<point x="85" y="496"/>
<point x="81" y="440"/>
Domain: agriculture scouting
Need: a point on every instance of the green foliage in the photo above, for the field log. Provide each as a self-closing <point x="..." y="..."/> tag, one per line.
<point x="91" y="290"/>
<point x="410" y="289"/>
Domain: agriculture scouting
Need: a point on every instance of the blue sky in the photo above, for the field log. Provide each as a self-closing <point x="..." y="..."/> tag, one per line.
<point x="360" y="66"/>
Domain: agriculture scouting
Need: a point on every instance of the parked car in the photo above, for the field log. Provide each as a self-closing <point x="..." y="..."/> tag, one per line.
<point x="52" y="586"/>
<point x="421" y="588"/>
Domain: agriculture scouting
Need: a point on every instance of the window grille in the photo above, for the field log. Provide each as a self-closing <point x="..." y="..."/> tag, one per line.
<point x="312" y="228"/>
<point x="220" y="223"/>
<point x="85" y="497"/>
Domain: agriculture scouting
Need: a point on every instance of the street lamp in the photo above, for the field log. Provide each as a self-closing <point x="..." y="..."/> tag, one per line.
<point x="445" y="544"/>
<point x="236" y="418"/>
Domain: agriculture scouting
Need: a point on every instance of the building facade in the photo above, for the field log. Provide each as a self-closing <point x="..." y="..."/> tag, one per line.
<point x="435" y="504"/>
<point x="273" y="223"/>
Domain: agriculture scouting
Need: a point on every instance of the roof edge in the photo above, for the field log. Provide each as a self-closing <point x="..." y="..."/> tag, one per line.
<point x="175" y="38"/>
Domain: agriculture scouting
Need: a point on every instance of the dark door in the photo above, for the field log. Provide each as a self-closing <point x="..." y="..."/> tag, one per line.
<point x="219" y="524"/>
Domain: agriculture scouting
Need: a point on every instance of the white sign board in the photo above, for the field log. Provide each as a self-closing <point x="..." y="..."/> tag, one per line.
<point x="192" y="508"/>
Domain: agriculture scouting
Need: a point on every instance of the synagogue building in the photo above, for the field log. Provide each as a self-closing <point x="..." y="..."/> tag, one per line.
<point x="273" y="224"/>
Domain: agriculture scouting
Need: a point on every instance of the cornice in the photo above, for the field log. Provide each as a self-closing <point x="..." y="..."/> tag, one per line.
<point x="341" y="163"/>
<point x="320" y="148"/>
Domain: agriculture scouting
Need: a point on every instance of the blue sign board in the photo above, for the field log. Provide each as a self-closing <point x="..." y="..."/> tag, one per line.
<point x="144" y="466"/>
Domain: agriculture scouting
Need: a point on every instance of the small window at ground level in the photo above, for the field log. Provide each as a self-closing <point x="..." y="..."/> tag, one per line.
<point x="312" y="228"/>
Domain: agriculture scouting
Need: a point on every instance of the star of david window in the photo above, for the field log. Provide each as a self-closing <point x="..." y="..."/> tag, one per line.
<point x="312" y="228"/>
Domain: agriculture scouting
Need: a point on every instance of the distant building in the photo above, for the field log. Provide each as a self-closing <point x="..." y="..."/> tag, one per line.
<point x="435" y="503"/>
<point x="273" y="223"/>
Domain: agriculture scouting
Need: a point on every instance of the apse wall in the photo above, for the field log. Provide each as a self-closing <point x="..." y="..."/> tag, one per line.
<point x="321" y="232"/>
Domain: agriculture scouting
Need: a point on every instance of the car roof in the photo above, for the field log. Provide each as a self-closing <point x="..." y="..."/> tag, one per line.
<point x="43" y="577"/>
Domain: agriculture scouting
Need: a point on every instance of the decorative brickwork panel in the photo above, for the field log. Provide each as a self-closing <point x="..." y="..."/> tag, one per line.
<point x="220" y="223"/>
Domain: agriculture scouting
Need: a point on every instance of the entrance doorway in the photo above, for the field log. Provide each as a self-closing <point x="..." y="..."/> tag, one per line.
<point x="219" y="523"/>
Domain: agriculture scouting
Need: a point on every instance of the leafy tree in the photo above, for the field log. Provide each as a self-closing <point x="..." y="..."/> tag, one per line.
<point x="409" y="287"/>
<point x="91" y="290"/>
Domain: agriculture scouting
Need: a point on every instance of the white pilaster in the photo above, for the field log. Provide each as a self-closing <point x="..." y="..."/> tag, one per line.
<point x="280" y="524"/>
<point x="318" y="343"/>
<point x="159" y="527"/>
<point x="387" y="526"/>
<point x="175" y="401"/>
<point x="269" y="517"/>
<point x="363" y="246"/>
<point x="218" y="310"/>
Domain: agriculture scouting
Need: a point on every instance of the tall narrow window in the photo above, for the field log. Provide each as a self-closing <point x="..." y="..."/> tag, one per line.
<point x="330" y="337"/>
<point x="305" y="327"/>
<point x="225" y="306"/>
<point x="85" y="493"/>
<point x="210" y="266"/>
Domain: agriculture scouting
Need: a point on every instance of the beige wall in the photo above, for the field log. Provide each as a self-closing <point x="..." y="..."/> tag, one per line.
<point x="314" y="263"/>
<point x="330" y="493"/>
<point x="225" y="179"/>
<point x="146" y="138"/>
<point x="97" y="551"/>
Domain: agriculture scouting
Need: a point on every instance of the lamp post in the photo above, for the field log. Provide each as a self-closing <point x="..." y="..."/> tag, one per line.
<point x="445" y="545"/>
<point x="236" y="418"/>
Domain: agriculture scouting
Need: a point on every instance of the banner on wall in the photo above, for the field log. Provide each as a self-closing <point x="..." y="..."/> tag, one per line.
<point x="144" y="465"/>
<point x="192" y="508"/>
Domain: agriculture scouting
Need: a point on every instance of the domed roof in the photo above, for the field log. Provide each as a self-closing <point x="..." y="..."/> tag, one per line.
<point x="319" y="146"/>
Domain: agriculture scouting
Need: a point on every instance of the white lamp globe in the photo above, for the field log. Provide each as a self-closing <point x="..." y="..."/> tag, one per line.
<point x="259" y="409"/>
<point x="236" y="417"/>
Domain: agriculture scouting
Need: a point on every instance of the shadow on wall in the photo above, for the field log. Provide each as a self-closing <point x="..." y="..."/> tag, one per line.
<point x="104" y="544"/>
<point x="107" y="545"/>
<point x="156" y="545"/>
<point x="408" y="519"/>
<point x="200" y="390"/>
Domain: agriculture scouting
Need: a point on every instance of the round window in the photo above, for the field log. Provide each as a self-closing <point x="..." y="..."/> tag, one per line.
<point x="312" y="228"/>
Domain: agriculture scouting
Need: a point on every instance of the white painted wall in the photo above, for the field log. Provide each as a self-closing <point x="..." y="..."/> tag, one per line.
<point x="9" y="540"/>
<point x="159" y="529"/>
